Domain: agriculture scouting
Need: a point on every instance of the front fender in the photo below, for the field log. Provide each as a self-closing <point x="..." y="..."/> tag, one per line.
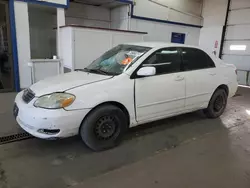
<point x="119" y="89"/>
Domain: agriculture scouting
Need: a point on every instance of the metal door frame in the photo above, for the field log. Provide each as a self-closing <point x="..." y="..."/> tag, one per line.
<point x="224" y="29"/>
<point x="223" y="39"/>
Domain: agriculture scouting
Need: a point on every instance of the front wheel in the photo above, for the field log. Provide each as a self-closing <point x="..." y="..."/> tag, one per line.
<point x="104" y="127"/>
<point x="217" y="104"/>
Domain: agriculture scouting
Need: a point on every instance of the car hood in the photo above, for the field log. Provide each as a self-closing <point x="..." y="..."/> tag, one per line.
<point x="65" y="82"/>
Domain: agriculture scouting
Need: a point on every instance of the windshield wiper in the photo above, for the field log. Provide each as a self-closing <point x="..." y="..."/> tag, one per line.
<point x="98" y="71"/>
<point x="79" y="70"/>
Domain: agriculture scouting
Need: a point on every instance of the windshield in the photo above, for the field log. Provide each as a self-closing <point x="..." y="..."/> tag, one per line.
<point x="114" y="61"/>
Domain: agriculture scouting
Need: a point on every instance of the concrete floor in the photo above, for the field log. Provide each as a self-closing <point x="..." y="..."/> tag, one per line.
<point x="184" y="151"/>
<point x="8" y="125"/>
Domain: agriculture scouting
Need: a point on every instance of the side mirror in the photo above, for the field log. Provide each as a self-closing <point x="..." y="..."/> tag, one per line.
<point x="146" y="71"/>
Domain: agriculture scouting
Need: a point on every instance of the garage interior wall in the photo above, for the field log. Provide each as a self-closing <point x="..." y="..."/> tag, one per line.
<point x="120" y="18"/>
<point x="87" y="15"/>
<point x="162" y="32"/>
<point x="188" y="12"/>
<point x="42" y="21"/>
<point x="214" y="14"/>
<point x="238" y="35"/>
<point x="23" y="42"/>
<point x="29" y="28"/>
<point x="116" y="18"/>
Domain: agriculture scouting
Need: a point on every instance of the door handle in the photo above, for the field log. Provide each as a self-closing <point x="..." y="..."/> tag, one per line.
<point x="179" y="78"/>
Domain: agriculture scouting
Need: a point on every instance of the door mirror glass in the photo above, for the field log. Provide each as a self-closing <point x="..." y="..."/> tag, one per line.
<point x="146" y="71"/>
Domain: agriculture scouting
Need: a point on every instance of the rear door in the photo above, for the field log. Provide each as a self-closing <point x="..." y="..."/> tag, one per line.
<point x="200" y="75"/>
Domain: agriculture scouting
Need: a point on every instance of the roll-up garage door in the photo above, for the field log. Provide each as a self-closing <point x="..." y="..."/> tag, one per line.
<point x="236" y="46"/>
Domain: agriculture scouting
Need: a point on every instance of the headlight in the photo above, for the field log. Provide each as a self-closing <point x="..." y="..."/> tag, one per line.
<point x="55" y="100"/>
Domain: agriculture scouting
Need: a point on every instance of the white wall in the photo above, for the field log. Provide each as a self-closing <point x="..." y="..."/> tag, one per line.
<point x="156" y="31"/>
<point x="87" y="15"/>
<point x="209" y="36"/>
<point x="23" y="38"/>
<point x="102" y="17"/>
<point x="239" y="4"/>
<point x="237" y="33"/>
<point x="120" y="18"/>
<point x="162" y="32"/>
<point x="23" y="42"/>
<point x="151" y="9"/>
<point x="60" y="22"/>
<point x="214" y="14"/>
<point x="66" y="47"/>
<point x="76" y="40"/>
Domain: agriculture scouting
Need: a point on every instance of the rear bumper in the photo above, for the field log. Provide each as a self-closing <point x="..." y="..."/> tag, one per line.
<point x="233" y="87"/>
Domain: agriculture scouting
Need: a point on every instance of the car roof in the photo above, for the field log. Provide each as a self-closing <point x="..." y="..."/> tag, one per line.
<point x="159" y="44"/>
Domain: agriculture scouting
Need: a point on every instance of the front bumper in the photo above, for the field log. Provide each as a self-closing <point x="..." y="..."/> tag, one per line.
<point x="32" y="119"/>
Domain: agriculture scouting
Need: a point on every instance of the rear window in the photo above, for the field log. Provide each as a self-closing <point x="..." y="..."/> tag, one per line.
<point x="195" y="59"/>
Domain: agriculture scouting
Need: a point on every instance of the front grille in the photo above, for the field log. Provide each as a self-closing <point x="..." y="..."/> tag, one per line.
<point x="28" y="95"/>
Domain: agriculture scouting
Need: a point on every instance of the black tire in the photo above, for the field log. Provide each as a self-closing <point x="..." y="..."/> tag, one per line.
<point x="217" y="104"/>
<point x="104" y="127"/>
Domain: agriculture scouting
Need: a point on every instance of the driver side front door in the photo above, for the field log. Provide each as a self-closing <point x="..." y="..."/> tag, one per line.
<point x="163" y="94"/>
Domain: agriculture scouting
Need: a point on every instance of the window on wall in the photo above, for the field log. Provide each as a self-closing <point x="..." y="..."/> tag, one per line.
<point x="238" y="47"/>
<point x="165" y="61"/>
<point x="42" y="21"/>
<point x="195" y="59"/>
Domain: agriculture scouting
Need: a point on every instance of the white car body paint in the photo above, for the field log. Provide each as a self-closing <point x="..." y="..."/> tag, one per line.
<point x="31" y="119"/>
<point x="146" y="99"/>
<point x="65" y="81"/>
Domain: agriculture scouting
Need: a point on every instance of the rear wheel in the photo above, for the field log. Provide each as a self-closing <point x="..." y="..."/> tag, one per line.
<point x="104" y="127"/>
<point x="217" y="104"/>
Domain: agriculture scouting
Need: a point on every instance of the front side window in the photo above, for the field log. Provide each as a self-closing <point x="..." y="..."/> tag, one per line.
<point x="165" y="61"/>
<point x="114" y="61"/>
<point x="195" y="59"/>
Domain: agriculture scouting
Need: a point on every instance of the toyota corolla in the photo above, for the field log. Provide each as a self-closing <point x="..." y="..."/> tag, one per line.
<point x="129" y="85"/>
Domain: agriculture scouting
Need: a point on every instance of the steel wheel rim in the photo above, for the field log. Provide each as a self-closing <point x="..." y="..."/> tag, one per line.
<point x="106" y="128"/>
<point x="219" y="103"/>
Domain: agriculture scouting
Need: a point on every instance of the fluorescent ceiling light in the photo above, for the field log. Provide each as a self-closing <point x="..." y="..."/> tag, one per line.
<point x="169" y="52"/>
<point x="248" y="112"/>
<point x="238" y="47"/>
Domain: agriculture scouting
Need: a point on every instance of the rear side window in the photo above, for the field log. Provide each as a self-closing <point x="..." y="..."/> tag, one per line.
<point x="195" y="59"/>
<point x="165" y="61"/>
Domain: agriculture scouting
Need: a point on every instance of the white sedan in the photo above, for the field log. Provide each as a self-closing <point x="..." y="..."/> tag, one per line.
<point x="129" y="85"/>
